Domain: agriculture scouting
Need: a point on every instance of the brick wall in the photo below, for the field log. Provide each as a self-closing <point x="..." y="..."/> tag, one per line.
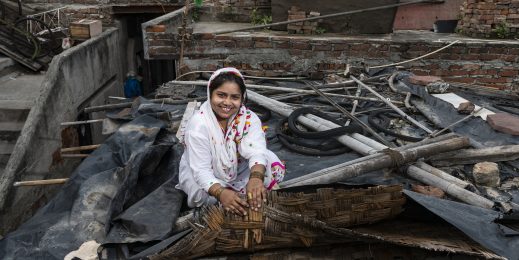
<point x="489" y="63"/>
<point x="99" y="2"/>
<point x="90" y="12"/>
<point x="238" y="10"/>
<point x="490" y="18"/>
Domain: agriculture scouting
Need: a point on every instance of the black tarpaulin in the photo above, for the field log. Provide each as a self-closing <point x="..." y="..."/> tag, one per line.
<point x="122" y="193"/>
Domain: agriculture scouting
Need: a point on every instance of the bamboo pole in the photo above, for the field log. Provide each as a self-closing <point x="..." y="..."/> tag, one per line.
<point x="391" y="159"/>
<point x="398" y="110"/>
<point x="80" y="148"/>
<point x="290" y="90"/>
<point x="443" y="175"/>
<point x="40" y="182"/>
<point x="450" y="188"/>
<point x="322" y="17"/>
<point x="329" y="170"/>
<point x="82" y="122"/>
<point x="286" y="110"/>
<point x="471" y="156"/>
<point x="74" y="155"/>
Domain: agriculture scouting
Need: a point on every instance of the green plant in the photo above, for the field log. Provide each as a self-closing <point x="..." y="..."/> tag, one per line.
<point x="320" y="30"/>
<point x="502" y="31"/>
<point x="195" y="13"/>
<point x="259" y="19"/>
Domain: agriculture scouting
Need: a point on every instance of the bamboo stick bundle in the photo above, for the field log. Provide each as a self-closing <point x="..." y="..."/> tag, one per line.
<point x="295" y="181"/>
<point x="390" y="159"/>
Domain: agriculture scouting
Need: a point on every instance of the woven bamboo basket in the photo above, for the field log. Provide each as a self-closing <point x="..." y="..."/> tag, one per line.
<point x="289" y="219"/>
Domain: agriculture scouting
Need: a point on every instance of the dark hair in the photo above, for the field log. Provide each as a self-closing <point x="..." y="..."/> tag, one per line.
<point x="227" y="77"/>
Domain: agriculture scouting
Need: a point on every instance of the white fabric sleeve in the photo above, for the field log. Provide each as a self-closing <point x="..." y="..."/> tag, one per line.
<point x="253" y="145"/>
<point x="200" y="159"/>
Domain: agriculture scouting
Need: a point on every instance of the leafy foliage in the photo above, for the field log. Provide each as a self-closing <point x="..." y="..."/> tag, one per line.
<point x="259" y="19"/>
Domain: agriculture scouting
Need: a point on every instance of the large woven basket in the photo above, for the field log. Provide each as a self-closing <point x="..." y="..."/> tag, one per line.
<point x="289" y="220"/>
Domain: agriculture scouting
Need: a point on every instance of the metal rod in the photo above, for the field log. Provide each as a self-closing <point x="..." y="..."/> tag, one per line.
<point x="291" y="90"/>
<point x="168" y="101"/>
<point x="352" y="117"/>
<point x="322" y="17"/>
<point x="398" y="110"/>
<point x="456" y="123"/>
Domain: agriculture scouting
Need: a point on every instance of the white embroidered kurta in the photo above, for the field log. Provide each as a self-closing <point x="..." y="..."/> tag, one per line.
<point x="196" y="166"/>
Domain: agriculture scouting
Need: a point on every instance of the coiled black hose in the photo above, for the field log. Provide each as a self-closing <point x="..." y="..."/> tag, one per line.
<point x="313" y="143"/>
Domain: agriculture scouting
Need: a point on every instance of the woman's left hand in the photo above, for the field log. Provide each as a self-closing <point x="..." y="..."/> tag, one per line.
<point x="256" y="192"/>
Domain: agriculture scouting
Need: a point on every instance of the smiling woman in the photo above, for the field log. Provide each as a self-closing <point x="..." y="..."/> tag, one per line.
<point x="225" y="151"/>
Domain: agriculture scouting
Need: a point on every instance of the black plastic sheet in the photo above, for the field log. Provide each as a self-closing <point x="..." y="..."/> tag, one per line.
<point x="122" y="193"/>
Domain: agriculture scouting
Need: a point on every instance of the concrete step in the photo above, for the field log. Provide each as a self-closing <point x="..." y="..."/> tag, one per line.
<point x="5" y="62"/>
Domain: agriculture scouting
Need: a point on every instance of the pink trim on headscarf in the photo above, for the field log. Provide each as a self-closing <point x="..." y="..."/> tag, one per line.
<point x="271" y="185"/>
<point x="277" y="164"/>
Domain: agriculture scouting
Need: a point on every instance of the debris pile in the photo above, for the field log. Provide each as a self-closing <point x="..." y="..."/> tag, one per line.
<point x="368" y="154"/>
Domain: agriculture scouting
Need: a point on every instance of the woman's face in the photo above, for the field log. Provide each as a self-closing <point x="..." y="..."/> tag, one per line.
<point x="226" y="100"/>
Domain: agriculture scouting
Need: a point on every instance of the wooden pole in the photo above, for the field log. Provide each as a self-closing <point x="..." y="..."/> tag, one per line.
<point x="450" y="188"/>
<point x="391" y="159"/>
<point x="330" y="170"/>
<point x="398" y="110"/>
<point x="80" y="148"/>
<point x="40" y="182"/>
<point x="471" y="156"/>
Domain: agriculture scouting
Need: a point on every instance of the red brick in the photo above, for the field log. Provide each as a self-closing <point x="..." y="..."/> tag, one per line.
<point x="156" y="28"/>
<point x="508" y="73"/>
<point x="423" y="80"/>
<point x="244" y="44"/>
<point x="262" y="45"/>
<point x="340" y="46"/>
<point x="322" y="47"/>
<point x="300" y="45"/>
<point x="504" y="122"/>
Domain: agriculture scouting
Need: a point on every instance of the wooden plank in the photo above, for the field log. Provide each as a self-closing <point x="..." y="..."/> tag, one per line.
<point x="191" y="108"/>
<point x="33" y="65"/>
<point x="471" y="156"/>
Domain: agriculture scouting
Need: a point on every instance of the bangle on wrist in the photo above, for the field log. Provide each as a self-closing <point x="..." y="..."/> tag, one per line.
<point x="218" y="192"/>
<point x="257" y="174"/>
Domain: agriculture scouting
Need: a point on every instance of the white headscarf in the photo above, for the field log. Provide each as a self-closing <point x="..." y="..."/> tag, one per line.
<point x="224" y="147"/>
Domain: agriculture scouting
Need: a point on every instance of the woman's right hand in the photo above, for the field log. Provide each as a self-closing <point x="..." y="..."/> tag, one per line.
<point x="232" y="202"/>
